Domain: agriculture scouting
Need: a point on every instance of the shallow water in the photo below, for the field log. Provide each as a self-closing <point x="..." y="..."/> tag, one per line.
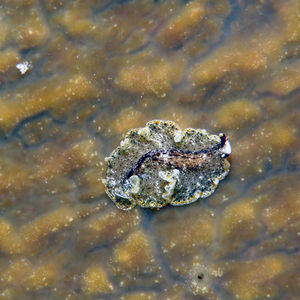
<point x="75" y="76"/>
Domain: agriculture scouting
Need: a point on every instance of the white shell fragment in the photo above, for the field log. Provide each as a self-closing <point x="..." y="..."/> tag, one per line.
<point x="24" y="66"/>
<point x="160" y="164"/>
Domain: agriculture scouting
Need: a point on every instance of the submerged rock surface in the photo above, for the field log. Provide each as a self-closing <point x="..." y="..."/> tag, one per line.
<point x="75" y="76"/>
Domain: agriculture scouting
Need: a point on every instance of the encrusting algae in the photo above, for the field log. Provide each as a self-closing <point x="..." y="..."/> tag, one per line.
<point x="75" y="76"/>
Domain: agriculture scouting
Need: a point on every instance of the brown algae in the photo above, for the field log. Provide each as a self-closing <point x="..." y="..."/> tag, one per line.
<point x="96" y="70"/>
<point x="161" y="164"/>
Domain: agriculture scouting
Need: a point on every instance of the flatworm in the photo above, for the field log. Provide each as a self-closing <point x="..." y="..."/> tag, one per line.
<point x="160" y="164"/>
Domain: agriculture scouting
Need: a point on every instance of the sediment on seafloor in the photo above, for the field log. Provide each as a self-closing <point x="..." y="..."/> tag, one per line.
<point x="76" y="76"/>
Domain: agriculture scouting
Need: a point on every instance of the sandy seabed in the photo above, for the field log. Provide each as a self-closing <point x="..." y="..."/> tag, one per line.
<point x="75" y="76"/>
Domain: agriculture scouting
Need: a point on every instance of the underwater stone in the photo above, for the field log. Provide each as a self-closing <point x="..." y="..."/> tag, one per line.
<point x="160" y="164"/>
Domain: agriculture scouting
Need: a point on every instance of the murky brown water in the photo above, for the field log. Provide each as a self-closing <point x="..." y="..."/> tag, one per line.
<point x="75" y="76"/>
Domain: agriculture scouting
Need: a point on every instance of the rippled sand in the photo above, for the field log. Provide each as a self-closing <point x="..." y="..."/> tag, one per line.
<point x="75" y="76"/>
